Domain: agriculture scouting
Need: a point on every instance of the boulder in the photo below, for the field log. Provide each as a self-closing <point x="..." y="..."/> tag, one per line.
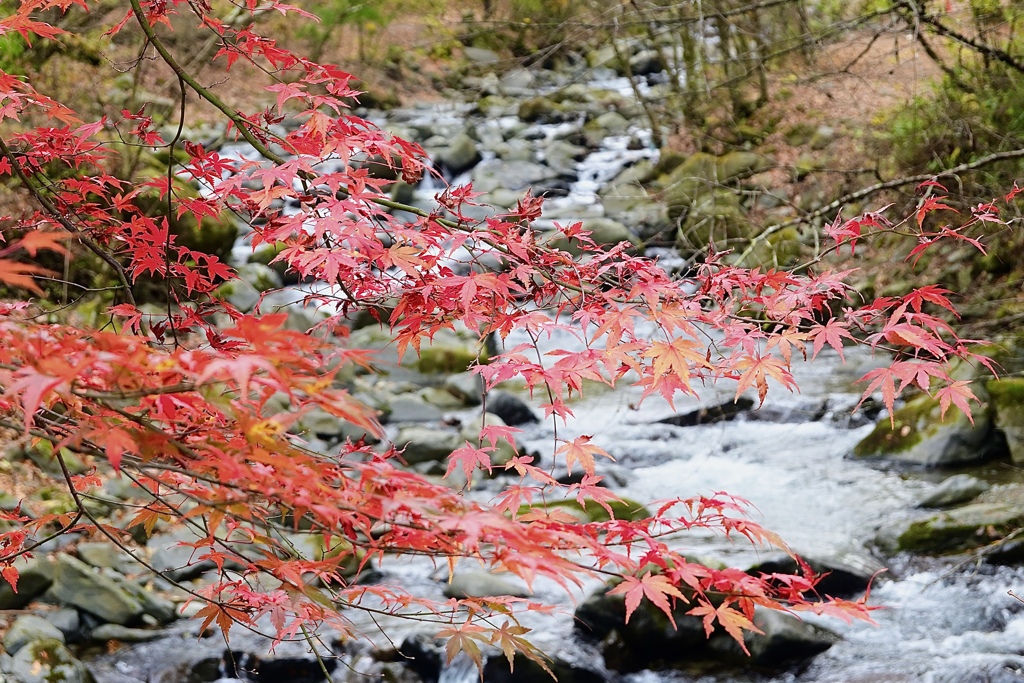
<point x="918" y="435"/>
<point x="958" y="529"/>
<point x="490" y="175"/>
<point x="468" y="387"/>
<point x="48" y="661"/>
<point x="421" y="444"/>
<point x="482" y="584"/>
<point x="510" y="408"/>
<point x="412" y="408"/>
<point x="29" y="628"/>
<point x="844" y="574"/>
<point x="607" y="124"/>
<point x="543" y="110"/>
<point x="178" y="562"/>
<point x="563" y="156"/>
<point x="1007" y="397"/>
<point x="261" y="276"/>
<point x="785" y="639"/>
<point x="740" y="164"/>
<point x="960" y="488"/>
<point x="479" y="55"/>
<point x="76" y="583"/>
<point x="714" y="217"/>
<point x="461" y="155"/>
<point x="34" y="576"/>
<point x="711" y="414"/>
<point x="239" y="294"/>
<point x="107" y="632"/>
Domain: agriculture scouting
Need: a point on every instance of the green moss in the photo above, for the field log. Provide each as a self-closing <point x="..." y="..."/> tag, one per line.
<point x="960" y="528"/>
<point x="592" y="511"/>
<point x="448" y="359"/>
<point x="1005" y="392"/>
<point x="903" y="433"/>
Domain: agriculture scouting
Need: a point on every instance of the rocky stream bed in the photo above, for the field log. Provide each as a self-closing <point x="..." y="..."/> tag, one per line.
<point x="852" y="497"/>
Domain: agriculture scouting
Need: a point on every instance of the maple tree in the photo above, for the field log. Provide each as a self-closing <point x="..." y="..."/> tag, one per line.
<point x="178" y="402"/>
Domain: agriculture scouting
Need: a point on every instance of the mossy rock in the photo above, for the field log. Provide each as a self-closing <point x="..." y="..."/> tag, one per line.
<point x="714" y="217"/>
<point x="542" y="110"/>
<point x="592" y="511"/>
<point x="1007" y="398"/>
<point x="961" y="528"/>
<point x="605" y="232"/>
<point x="917" y="434"/>
<point x="779" y="249"/>
<point x="736" y="164"/>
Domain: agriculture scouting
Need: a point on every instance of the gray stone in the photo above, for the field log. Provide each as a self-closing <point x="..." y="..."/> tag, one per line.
<point x="564" y="156"/>
<point x="34" y="576"/>
<point x="785" y="639"/>
<point x="510" y="408"/>
<point x="510" y="175"/>
<point x="440" y="398"/>
<point x="543" y="110"/>
<point x="153" y="605"/>
<point x="957" y="529"/>
<point x="516" y="82"/>
<point x="67" y="621"/>
<point x="124" y="634"/>
<point x="461" y="155"/>
<point x="261" y="277"/>
<point x="424" y="445"/>
<point x="605" y="125"/>
<point x="482" y="584"/>
<point x="466" y="386"/>
<point x="76" y="583"/>
<point x="412" y="408"/>
<point x="29" y="628"/>
<point x="918" y="434"/>
<point x="48" y="661"/>
<point x="239" y="294"/>
<point x="1008" y="405"/>
<point x="479" y="55"/>
<point x="178" y="562"/>
<point x="960" y="488"/>
<point x="100" y="554"/>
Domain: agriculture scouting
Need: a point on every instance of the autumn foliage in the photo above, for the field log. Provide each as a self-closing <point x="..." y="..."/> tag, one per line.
<point x="178" y="401"/>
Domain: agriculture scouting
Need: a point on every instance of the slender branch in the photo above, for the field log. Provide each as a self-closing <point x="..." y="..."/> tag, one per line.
<point x="876" y="188"/>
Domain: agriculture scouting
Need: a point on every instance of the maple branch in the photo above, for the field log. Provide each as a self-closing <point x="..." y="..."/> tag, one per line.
<point x="874" y="189"/>
<point x="67" y="224"/>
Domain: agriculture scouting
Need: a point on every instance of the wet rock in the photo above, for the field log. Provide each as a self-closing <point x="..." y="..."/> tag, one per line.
<point x="564" y="156"/>
<point x="440" y="398"/>
<point x="543" y="110"/>
<point x="722" y="412"/>
<point x="461" y="155"/>
<point x="468" y="387"/>
<point x="124" y="634"/>
<point x="715" y="217"/>
<point x="960" y="488"/>
<point x="76" y="583"/>
<point x="919" y="436"/>
<point x="590" y="510"/>
<point x="649" y="641"/>
<point x="516" y="82"/>
<point x="67" y="621"/>
<point x="844" y="574"/>
<point x="425" y="445"/>
<point x="424" y="655"/>
<point x="158" y="608"/>
<point x="510" y="408"/>
<point x="48" y="661"/>
<point x="412" y="408"/>
<point x="493" y="106"/>
<point x="1007" y="397"/>
<point x="961" y="528"/>
<point x="323" y="425"/>
<point x="482" y="584"/>
<point x="34" y="576"/>
<point x="239" y="294"/>
<point x="607" y="124"/>
<point x="785" y="639"/>
<point x="30" y="628"/>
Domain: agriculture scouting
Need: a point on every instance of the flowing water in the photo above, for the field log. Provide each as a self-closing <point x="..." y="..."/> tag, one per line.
<point x="939" y="623"/>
